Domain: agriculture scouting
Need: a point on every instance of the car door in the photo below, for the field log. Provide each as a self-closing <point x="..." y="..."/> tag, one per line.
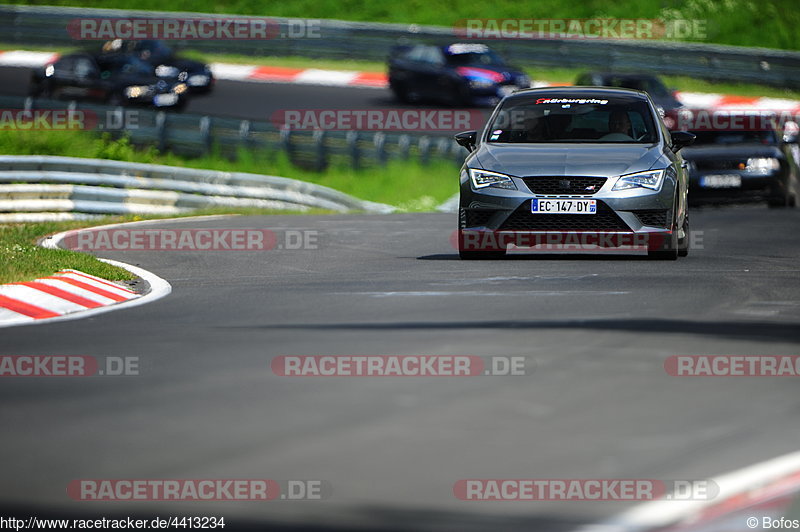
<point x="79" y="81"/>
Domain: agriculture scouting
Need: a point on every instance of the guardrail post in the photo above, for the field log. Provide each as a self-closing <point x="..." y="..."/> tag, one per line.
<point x="205" y="134"/>
<point x="286" y="141"/>
<point x="244" y="133"/>
<point x="424" y="147"/>
<point x="161" y="131"/>
<point x="379" y="139"/>
<point x="404" y="146"/>
<point x="352" y="148"/>
<point x="320" y="151"/>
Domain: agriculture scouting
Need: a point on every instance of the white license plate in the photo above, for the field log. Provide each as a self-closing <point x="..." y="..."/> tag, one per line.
<point x="721" y="181"/>
<point x="563" y="206"/>
<point x="166" y="99"/>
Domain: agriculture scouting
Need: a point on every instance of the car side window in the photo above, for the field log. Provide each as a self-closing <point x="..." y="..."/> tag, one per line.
<point x="64" y="66"/>
<point x="417" y="53"/>
<point x="434" y="56"/>
<point x="84" y="68"/>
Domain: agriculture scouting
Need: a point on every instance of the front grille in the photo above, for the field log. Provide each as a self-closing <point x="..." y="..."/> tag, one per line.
<point x="555" y="185"/>
<point x="605" y="220"/>
<point x="477" y="218"/>
<point x="718" y="164"/>
<point x="652" y="218"/>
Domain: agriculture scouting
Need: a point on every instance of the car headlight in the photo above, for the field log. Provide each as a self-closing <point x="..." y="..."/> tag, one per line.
<point x="477" y="83"/>
<point x="180" y="88"/>
<point x="137" y="91"/>
<point x="484" y="178"/>
<point x="651" y="179"/>
<point x="762" y="165"/>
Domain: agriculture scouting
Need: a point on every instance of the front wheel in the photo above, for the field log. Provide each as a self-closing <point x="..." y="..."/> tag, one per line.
<point x="683" y="243"/>
<point x="672" y="248"/>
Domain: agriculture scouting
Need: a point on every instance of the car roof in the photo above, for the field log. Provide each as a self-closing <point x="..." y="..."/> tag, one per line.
<point x="624" y="75"/>
<point x="578" y="92"/>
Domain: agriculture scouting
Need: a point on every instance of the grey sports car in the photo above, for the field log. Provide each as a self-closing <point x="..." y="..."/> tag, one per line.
<point x="584" y="169"/>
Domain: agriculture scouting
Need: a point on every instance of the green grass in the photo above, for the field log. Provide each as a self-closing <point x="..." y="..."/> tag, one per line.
<point x="22" y="260"/>
<point x="767" y="23"/>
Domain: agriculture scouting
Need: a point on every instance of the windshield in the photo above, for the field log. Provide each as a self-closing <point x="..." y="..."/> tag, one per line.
<point x="767" y="137"/>
<point x="127" y="65"/>
<point x="571" y="119"/>
<point x="474" y="59"/>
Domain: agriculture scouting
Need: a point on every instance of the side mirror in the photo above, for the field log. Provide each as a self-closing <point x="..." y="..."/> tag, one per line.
<point x="468" y="139"/>
<point x="790" y="132"/>
<point x="681" y="139"/>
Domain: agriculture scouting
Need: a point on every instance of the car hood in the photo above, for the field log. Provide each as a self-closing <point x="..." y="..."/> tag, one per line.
<point x="730" y="151"/>
<point x="567" y="159"/>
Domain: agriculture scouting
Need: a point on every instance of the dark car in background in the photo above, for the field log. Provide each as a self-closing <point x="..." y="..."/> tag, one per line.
<point x="665" y="100"/>
<point x="114" y="79"/>
<point x="195" y="74"/>
<point x="458" y="74"/>
<point x="574" y="162"/>
<point x="743" y="165"/>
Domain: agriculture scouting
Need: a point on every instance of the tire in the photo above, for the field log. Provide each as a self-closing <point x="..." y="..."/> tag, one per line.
<point x="683" y="243"/>
<point x="672" y="251"/>
<point x="469" y="254"/>
<point x="481" y="255"/>
<point x="787" y="200"/>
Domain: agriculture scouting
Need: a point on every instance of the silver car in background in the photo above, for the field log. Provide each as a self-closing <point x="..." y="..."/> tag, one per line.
<point x="576" y="169"/>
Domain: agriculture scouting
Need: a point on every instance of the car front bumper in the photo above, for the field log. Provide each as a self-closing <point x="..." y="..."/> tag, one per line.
<point x="637" y="217"/>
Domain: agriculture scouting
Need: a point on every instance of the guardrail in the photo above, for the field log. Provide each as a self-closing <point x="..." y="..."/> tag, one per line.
<point x="196" y="135"/>
<point x="47" y="187"/>
<point x="352" y="40"/>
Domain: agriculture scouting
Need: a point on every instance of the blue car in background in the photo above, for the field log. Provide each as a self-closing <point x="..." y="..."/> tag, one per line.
<point x="457" y="74"/>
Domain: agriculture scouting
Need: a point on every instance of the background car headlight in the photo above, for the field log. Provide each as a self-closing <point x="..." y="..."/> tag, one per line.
<point x="762" y="165"/>
<point x="483" y="178"/>
<point x="137" y="91"/>
<point x="651" y="179"/>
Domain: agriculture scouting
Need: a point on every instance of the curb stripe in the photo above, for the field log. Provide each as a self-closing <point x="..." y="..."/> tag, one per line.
<point x="63" y="294"/>
<point x="88" y="280"/>
<point x="91" y="288"/>
<point x="99" y="280"/>
<point x="63" y="285"/>
<point x="20" y="307"/>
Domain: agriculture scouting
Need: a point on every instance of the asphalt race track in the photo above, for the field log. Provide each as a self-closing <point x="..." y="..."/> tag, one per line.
<point x="597" y="403"/>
